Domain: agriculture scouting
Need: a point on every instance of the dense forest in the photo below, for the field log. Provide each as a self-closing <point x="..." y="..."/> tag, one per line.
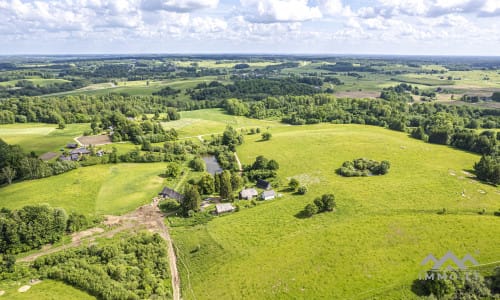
<point x="133" y="267"/>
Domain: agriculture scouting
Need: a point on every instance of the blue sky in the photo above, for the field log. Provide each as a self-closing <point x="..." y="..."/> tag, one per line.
<point x="432" y="27"/>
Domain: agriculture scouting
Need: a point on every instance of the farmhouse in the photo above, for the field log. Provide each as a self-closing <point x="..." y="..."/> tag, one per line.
<point x="170" y="193"/>
<point x="248" y="194"/>
<point x="262" y="184"/>
<point x="268" y="195"/>
<point x="64" y="158"/>
<point x="80" y="151"/>
<point x="223" y="208"/>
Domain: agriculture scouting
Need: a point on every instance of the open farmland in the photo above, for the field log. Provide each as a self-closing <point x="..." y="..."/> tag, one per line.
<point x="39" y="137"/>
<point x="374" y="243"/>
<point x="102" y="189"/>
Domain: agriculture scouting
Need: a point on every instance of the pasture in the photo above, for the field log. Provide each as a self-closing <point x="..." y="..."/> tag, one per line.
<point x="100" y="189"/>
<point x="41" y="138"/>
<point x="372" y="246"/>
<point x="213" y="121"/>
<point x="45" y="290"/>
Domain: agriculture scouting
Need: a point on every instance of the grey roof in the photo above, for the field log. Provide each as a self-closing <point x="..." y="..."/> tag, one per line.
<point x="170" y="193"/>
<point x="270" y="193"/>
<point x="224" y="207"/>
<point x="80" y="151"/>
<point x="72" y="145"/>
<point x="263" y="184"/>
<point x="249" y="193"/>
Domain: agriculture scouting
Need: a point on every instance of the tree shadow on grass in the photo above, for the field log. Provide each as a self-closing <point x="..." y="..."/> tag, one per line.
<point x="302" y="215"/>
<point x="419" y="289"/>
<point x="473" y="172"/>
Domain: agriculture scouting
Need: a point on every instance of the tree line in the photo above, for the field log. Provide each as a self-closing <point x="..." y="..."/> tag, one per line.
<point x="33" y="226"/>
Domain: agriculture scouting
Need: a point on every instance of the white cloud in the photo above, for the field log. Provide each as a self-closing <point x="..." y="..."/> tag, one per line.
<point x="178" y="5"/>
<point x="274" y="11"/>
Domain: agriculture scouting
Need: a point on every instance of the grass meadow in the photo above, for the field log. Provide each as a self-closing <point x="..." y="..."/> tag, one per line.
<point x="370" y="247"/>
<point x="46" y="290"/>
<point x="39" y="137"/>
<point x="209" y="121"/>
<point x="100" y="189"/>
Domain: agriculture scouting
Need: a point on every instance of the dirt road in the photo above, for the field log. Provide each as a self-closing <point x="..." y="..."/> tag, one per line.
<point x="145" y="217"/>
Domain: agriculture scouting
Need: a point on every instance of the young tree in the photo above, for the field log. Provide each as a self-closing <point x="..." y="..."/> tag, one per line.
<point x="226" y="189"/>
<point x="273" y="165"/>
<point x="266" y="136"/>
<point x="236" y="181"/>
<point x="217" y="183"/>
<point x="293" y="184"/>
<point x="9" y="174"/>
<point x="302" y="190"/>
<point x="310" y="210"/>
<point x="197" y="164"/>
<point x="173" y="170"/>
<point x="207" y="184"/>
<point x="325" y="203"/>
<point x="191" y="201"/>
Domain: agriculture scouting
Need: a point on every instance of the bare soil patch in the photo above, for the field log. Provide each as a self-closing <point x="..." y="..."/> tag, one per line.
<point x="95" y="140"/>
<point x="48" y="156"/>
<point x="24" y="288"/>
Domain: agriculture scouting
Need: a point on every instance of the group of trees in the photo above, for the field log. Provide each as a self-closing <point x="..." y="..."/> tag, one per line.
<point x="34" y="226"/>
<point x="325" y="203"/>
<point x="252" y="88"/>
<point x="86" y="109"/>
<point x="261" y="168"/>
<point x="488" y="168"/>
<point x="28" y="88"/>
<point x="294" y="186"/>
<point x="135" y="267"/>
<point x="363" y="167"/>
<point x="456" y="285"/>
<point x="17" y="165"/>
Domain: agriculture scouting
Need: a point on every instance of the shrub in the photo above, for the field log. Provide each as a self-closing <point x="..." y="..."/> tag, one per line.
<point x="302" y="190"/>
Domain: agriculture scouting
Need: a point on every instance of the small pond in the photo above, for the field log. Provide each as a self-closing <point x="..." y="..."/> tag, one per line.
<point x="212" y="164"/>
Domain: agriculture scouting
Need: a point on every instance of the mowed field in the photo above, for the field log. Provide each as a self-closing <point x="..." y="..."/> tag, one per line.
<point x="100" y="189"/>
<point x="45" y="290"/>
<point x="371" y="247"/>
<point x="214" y="121"/>
<point x="41" y="138"/>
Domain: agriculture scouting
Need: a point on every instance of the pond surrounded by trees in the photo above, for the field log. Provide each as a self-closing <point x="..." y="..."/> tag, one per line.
<point x="212" y="164"/>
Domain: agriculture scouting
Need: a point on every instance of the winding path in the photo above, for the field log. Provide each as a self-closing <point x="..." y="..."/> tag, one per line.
<point x="147" y="216"/>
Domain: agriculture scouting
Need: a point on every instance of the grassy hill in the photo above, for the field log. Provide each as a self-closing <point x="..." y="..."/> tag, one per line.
<point x="101" y="189"/>
<point x="40" y="137"/>
<point x="371" y="247"/>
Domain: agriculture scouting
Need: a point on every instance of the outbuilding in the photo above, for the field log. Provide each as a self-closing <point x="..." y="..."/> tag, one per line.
<point x="223" y="208"/>
<point x="248" y="194"/>
<point x="268" y="195"/>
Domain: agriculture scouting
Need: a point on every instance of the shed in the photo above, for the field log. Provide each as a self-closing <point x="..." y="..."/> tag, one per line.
<point x="268" y="195"/>
<point x="170" y="193"/>
<point x="262" y="184"/>
<point x="223" y="208"/>
<point x="71" y="146"/>
<point x="248" y="194"/>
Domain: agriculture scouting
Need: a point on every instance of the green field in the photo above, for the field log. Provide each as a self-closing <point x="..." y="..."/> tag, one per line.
<point x="35" y="81"/>
<point x="41" y="138"/>
<point x="46" y="290"/>
<point x="371" y="247"/>
<point x="209" y="121"/>
<point x="101" y="189"/>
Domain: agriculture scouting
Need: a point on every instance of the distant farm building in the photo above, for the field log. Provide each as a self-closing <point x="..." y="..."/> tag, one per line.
<point x="72" y="146"/>
<point x="170" y="193"/>
<point x="76" y="154"/>
<point x="262" y="184"/>
<point x="248" y="194"/>
<point x="223" y="208"/>
<point x="268" y="195"/>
